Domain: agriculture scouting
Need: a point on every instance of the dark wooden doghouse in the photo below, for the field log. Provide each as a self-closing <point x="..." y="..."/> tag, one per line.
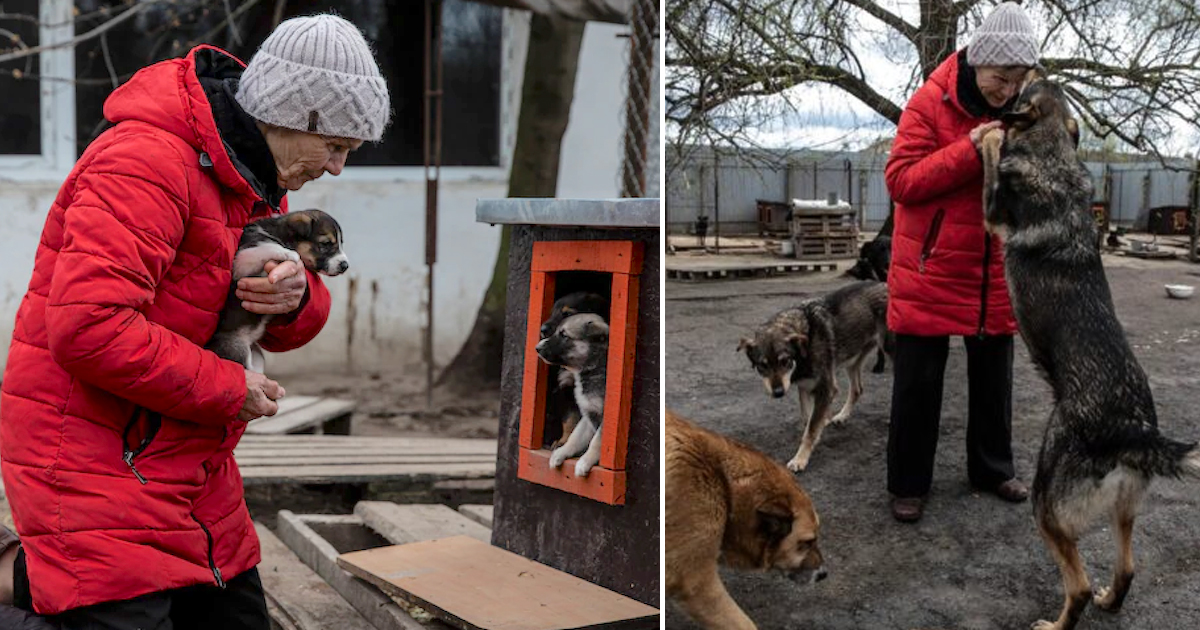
<point x="605" y="527"/>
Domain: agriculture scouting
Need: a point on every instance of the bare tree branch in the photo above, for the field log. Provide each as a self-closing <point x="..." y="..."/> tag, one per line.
<point x="96" y="32"/>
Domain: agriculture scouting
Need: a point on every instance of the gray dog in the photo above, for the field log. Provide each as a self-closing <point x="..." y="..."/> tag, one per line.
<point x="580" y="346"/>
<point x="805" y="345"/>
<point x="1101" y="446"/>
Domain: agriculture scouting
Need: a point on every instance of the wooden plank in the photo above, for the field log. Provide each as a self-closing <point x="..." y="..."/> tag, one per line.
<point x="281" y="441"/>
<point x="292" y="403"/>
<point x="307" y="416"/>
<point x="352" y="473"/>
<point x="402" y="524"/>
<point x="601" y="484"/>
<point x="481" y="514"/>
<point x="533" y="384"/>
<point x="606" y="256"/>
<point x="475" y="586"/>
<point x="336" y="460"/>
<point x="299" y="597"/>
<point x="365" y="451"/>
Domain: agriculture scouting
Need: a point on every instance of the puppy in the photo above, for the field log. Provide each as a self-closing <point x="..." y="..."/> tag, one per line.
<point x="580" y="346"/>
<point x="561" y="401"/>
<point x="805" y="345"/>
<point x="310" y="237"/>
<point x="730" y="504"/>
<point x="1101" y="446"/>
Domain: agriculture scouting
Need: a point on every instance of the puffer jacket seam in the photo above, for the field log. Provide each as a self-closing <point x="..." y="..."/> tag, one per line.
<point x="72" y="566"/>
<point x="109" y="211"/>
<point x="195" y="379"/>
<point x="157" y="184"/>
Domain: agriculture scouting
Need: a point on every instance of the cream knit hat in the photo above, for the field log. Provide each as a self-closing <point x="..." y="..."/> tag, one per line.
<point x="1005" y="38"/>
<point x="317" y="74"/>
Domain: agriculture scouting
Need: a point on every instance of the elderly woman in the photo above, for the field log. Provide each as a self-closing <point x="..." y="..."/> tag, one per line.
<point x="118" y="426"/>
<point x="947" y="274"/>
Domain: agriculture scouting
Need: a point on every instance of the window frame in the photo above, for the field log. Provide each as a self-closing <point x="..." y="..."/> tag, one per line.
<point x="57" y="157"/>
<point x="56" y="69"/>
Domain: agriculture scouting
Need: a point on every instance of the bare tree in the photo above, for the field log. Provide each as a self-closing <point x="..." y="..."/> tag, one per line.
<point x="1129" y="66"/>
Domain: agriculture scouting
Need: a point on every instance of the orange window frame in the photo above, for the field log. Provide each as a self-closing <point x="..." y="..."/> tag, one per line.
<point x="623" y="259"/>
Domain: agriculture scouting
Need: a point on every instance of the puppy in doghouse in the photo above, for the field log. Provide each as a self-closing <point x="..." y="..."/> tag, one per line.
<point x="560" y="404"/>
<point x="310" y="237"/>
<point x="579" y="345"/>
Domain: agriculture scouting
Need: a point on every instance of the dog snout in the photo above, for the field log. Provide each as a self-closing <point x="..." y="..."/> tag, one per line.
<point x="546" y="330"/>
<point x="809" y="576"/>
<point x="343" y="266"/>
<point x="777" y="391"/>
<point x="819" y="574"/>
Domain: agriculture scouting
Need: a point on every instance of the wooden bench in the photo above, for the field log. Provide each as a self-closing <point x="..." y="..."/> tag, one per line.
<point x="329" y="459"/>
<point x="297" y="598"/>
<point x="306" y="414"/>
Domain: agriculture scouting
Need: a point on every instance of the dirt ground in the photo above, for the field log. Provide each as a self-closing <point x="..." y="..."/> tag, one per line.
<point x="973" y="562"/>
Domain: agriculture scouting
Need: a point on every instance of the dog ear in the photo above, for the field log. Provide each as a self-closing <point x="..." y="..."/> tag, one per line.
<point x="745" y="344"/>
<point x="1073" y="129"/>
<point x="774" y="521"/>
<point x="301" y="224"/>
<point x="800" y="342"/>
<point x="594" y="331"/>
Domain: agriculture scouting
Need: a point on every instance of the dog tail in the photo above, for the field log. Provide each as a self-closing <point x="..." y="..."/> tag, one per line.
<point x="1165" y="457"/>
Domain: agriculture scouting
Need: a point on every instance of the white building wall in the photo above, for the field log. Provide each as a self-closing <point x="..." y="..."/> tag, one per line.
<point x="380" y="323"/>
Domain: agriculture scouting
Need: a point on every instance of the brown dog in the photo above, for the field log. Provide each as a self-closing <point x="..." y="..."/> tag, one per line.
<point x="730" y="504"/>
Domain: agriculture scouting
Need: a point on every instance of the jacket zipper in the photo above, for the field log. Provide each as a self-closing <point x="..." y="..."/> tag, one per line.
<point x="983" y="292"/>
<point x="130" y="453"/>
<point x="931" y="238"/>
<point x="212" y="564"/>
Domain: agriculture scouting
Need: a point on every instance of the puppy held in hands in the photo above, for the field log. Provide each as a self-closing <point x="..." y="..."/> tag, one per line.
<point x="310" y="237"/>
<point x="560" y="405"/>
<point x="580" y="346"/>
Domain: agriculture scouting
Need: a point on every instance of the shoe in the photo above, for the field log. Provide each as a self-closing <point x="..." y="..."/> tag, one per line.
<point x="908" y="509"/>
<point x="1012" y="491"/>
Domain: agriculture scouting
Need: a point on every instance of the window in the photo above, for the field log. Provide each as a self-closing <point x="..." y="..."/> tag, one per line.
<point x="622" y="262"/>
<point x="472" y="52"/>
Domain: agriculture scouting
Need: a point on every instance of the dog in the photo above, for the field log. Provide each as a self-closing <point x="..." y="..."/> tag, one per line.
<point x="1101" y="446"/>
<point x="805" y="345"/>
<point x="310" y="237"/>
<point x="580" y="346"/>
<point x="730" y="504"/>
<point x="561" y="401"/>
<point x="874" y="257"/>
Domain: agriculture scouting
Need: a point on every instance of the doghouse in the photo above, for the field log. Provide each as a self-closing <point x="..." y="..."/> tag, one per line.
<point x="604" y="527"/>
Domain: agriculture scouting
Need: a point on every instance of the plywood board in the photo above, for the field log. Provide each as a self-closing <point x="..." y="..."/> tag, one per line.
<point x="475" y="586"/>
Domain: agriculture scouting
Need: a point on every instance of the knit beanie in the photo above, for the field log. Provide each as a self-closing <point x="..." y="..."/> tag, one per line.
<point x="317" y="74"/>
<point x="1005" y="38"/>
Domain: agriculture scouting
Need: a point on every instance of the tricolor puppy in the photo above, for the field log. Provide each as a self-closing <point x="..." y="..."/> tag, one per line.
<point x="560" y="404"/>
<point x="580" y="346"/>
<point x="310" y="237"/>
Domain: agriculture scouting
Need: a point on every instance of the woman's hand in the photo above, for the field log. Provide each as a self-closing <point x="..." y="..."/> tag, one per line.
<point x="261" y="394"/>
<point x="979" y="132"/>
<point x="278" y="293"/>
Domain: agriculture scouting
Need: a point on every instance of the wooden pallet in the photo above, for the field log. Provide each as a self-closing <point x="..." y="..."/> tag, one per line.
<point x="306" y="414"/>
<point x="326" y="459"/>
<point x="748" y="271"/>
<point x="824" y="248"/>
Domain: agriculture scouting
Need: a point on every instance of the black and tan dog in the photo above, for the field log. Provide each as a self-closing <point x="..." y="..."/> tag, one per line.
<point x="580" y="346"/>
<point x="560" y="403"/>
<point x="729" y="504"/>
<point x="1102" y="446"/>
<point x="804" y="346"/>
<point x="310" y="237"/>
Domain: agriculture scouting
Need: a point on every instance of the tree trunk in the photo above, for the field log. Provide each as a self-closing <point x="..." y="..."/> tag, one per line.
<point x="546" y="95"/>
<point x="939" y="33"/>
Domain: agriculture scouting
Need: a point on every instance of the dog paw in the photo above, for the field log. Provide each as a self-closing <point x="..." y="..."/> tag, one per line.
<point x="839" y="418"/>
<point x="798" y="464"/>
<point x="557" y="443"/>
<point x="558" y="457"/>
<point x="1042" y="624"/>
<point x="1106" y="599"/>
<point x="582" y="468"/>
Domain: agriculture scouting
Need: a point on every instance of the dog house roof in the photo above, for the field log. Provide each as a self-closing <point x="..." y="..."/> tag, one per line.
<point x="612" y="213"/>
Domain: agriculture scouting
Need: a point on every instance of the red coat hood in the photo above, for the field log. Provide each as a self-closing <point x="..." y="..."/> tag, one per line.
<point x="190" y="115"/>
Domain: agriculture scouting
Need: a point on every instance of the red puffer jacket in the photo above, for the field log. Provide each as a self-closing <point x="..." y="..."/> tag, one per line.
<point x="130" y="276"/>
<point x="947" y="272"/>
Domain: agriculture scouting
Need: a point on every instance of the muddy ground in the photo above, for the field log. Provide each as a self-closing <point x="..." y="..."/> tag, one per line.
<point x="973" y="562"/>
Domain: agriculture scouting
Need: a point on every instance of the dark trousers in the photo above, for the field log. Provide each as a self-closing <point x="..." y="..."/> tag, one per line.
<point x="241" y="605"/>
<point x="919" y="364"/>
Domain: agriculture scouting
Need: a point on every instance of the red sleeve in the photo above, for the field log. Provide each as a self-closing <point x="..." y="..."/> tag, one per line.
<point x="918" y="169"/>
<point x="120" y="236"/>
<point x="299" y="327"/>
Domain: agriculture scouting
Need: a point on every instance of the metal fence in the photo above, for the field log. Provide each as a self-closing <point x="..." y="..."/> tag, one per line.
<point x="726" y="188"/>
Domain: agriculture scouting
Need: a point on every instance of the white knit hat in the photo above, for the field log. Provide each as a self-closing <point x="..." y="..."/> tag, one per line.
<point x="317" y="74"/>
<point x="1005" y="38"/>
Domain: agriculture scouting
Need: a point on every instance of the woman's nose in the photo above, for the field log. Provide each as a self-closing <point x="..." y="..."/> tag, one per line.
<point x="336" y="163"/>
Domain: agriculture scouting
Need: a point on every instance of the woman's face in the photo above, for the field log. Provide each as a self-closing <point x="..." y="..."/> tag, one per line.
<point x="999" y="83"/>
<point x="302" y="157"/>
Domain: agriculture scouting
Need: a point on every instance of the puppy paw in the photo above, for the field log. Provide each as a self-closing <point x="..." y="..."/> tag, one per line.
<point x="1106" y="599"/>
<point x="1042" y="624"/>
<point x="798" y="463"/>
<point x="582" y="468"/>
<point x="558" y="457"/>
<point x="839" y="418"/>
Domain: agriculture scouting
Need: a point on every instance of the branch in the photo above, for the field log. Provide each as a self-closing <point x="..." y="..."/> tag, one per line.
<point x="909" y="31"/>
<point x="96" y="32"/>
